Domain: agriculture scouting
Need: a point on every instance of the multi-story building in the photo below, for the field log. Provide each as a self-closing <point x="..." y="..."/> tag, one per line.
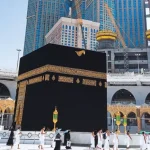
<point x="41" y="16"/>
<point x="131" y="19"/>
<point x="82" y="9"/>
<point x="139" y="59"/>
<point x="95" y="11"/>
<point x="68" y="32"/>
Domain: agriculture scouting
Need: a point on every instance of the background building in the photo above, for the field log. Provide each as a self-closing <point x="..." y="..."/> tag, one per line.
<point x="138" y="59"/>
<point x="41" y="16"/>
<point x="131" y="18"/>
<point x="127" y="93"/>
<point x="95" y="11"/>
<point x="65" y="32"/>
<point x="82" y="4"/>
<point x="8" y="85"/>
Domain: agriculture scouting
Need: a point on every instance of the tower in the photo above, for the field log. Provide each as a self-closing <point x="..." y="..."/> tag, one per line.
<point x="130" y="17"/>
<point x="95" y="11"/>
<point x="41" y="16"/>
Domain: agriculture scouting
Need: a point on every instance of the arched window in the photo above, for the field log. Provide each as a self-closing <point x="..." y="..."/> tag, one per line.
<point x="7" y="110"/>
<point x="147" y="101"/>
<point x="66" y="27"/>
<point x="109" y="119"/>
<point x="145" y="121"/>
<point x="132" y="121"/>
<point x="124" y="97"/>
<point x="4" y="92"/>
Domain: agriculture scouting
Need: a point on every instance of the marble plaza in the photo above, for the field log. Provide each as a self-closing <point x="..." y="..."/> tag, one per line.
<point x="47" y="147"/>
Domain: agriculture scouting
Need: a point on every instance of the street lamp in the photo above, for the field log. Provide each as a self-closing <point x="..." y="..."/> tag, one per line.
<point x="18" y="59"/>
<point x="137" y="55"/>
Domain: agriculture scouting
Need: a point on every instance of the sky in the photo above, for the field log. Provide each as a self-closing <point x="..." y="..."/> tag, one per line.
<point x="12" y="31"/>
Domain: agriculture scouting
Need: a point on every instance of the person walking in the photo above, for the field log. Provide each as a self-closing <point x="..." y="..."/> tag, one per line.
<point x="42" y="138"/>
<point x="92" y="140"/>
<point x="100" y="139"/>
<point x="11" y="137"/>
<point x="57" y="140"/>
<point x="68" y="139"/>
<point x="17" y="135"/>
<point x="143" y="141"/>
<point x="115" y="141"/>
<point x="148" y="141"/>
<point x="128" y="139"/>
<point x="106" y="143"/>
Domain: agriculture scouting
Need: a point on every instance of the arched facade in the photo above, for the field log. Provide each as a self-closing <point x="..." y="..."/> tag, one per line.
<point x="6" y="112"/>
<point x="133" y="114"/>
<point x="145" y="120"/>
<point x="123" y="96"/>
<point x="11" y="86"/>
<point x="7" y="105"/>
<point x="147" y="100"/>
<point x="139" y="92"/>
<point x="132" y="119"/>
<point x="4" y="91"/>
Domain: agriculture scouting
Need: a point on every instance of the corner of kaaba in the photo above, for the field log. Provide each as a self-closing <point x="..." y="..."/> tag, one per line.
<point x="71" y="79"/>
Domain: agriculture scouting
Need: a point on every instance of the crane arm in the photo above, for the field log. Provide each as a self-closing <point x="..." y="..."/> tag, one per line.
<point x="79" y="18"/>
<point x="78" y="10"/>
<point x="126" y="60"/>
<point x="115" y="25"/>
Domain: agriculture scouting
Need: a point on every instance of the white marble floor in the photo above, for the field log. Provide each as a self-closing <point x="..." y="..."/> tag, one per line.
<point x="46" y="147"/>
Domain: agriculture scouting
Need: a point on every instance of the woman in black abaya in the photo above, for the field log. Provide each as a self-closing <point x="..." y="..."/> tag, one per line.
<point x="11" y="137"/>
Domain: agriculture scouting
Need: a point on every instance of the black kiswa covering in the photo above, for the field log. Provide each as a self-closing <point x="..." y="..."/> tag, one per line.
<point x="80" y="107"/>
<point x="63" y="56"/>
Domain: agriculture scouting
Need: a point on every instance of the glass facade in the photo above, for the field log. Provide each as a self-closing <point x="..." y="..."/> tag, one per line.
<point x="41" y="17"/>
<point x="82" y="9"/>
<point x="130" y="17"/>
<point x="95" y="11"/>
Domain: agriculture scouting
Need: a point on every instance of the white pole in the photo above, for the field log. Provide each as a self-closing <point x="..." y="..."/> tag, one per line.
<point x="107" y="55"/>
<point x="137" y="55"/>
<point x="2" y="119"/>
<point x="18" y="59"/>
<point x="138" y="64"/>
<point x="112" y="124"/>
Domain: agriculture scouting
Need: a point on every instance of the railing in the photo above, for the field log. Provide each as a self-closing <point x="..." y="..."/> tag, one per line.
<point x="123" y="102"/>
<point x="147" y="102"/>
<point x="4" y="97"/>
<point x="7" y="74"/>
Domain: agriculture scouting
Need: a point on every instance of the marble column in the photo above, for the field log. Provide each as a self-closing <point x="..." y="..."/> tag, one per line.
<point x="139" y="123"/>
<point x="112" y="124"/>
<point x="2" y="119"/>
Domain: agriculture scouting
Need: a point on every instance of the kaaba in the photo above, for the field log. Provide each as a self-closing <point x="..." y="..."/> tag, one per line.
<point x="71" y="79"/>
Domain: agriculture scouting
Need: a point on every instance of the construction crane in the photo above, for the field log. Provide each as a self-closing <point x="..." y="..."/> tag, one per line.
<point x="79" y="19"/>
<point x="119" y="36"/>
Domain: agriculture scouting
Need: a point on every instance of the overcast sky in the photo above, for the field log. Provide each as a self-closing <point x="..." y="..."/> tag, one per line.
<point x="12" y="31"/>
